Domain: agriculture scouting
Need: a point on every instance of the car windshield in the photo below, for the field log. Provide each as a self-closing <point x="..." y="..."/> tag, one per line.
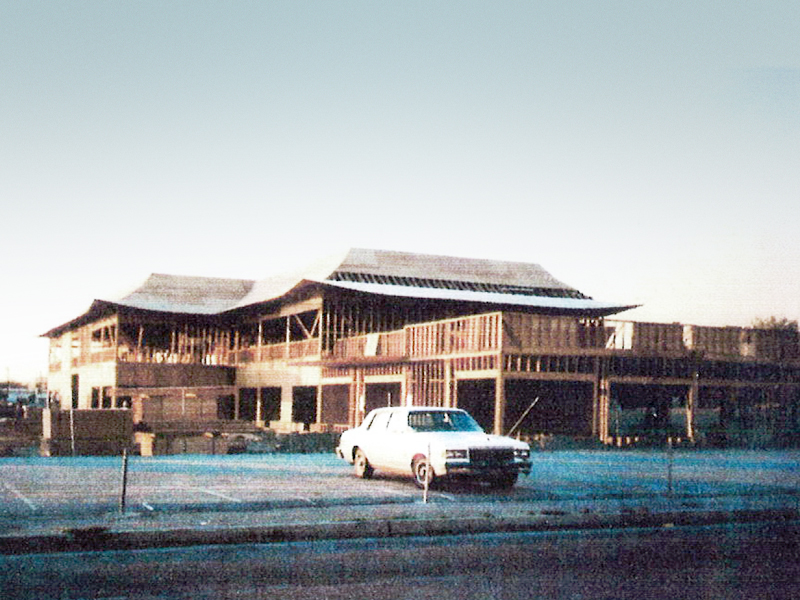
<point x="442" y="421"/>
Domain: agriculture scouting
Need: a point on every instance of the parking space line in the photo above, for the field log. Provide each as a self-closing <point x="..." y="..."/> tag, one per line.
<point x="20" y="496"/>
<point x="304" y="499"/>
<point x="445" y="496"/>
<point x="210" y="493"/>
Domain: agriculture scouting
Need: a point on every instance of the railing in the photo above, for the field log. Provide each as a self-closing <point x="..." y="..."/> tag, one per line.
<point x="537" y="333"/>
<point x="481" y="333"/>
<point x="304" y="348"/>
<point x="162" y="356"/>
<point x="293" y="350"/>
<point x="515" y="333"/>
<point x="468" y="335"/>
<point x="387" y="344"/>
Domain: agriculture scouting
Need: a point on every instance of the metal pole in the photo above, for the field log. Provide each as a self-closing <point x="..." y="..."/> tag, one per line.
<point x="670" y="461"/>
<point x="124" y="480"/>
<point x="427" y="476"/>
<point x="72" y="429"/>
<point x="525" y="414"/>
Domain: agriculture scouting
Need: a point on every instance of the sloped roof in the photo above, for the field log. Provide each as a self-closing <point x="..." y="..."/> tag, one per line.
<point x="392" y="270"/>
<point x="387" y="273"/>
<point x="180" y="294"/>
<point x="448" y="268"/>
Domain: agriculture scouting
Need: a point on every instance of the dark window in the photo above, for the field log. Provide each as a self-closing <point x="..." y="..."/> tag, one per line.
<point x="107" y="400"/>
<point x="304" y="405"/>
<point x="335" y="403"/>
<point x="247" y="404"/>
<point x="270" y="404"/>
<point x="226" y="408"/>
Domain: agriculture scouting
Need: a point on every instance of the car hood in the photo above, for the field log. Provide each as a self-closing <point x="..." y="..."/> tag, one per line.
<point x="474" y="439"/>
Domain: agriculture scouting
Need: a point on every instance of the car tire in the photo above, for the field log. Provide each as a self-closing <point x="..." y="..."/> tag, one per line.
<point x="504" y="481"/>
<point x="361" y="465"/>
<point x="420" y="468"/>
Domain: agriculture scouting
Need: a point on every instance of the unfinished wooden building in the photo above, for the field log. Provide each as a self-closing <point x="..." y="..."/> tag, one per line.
<point x="315" y="351"/>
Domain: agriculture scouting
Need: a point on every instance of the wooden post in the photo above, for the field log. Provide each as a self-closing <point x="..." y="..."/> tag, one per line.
<point x="139" y="344"/>
<point x="72" y="429"/>
<point x="288" y="335"/>
<point x="691" y="402"/>
<point x="319" y="403"/>
<point x="448" y="383"/>
<point x="499" y="403"/>
<point x="600" y="401"/>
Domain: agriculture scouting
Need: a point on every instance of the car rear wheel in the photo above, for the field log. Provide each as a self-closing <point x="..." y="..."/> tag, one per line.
<point x="422" y="469"/>
<point x="362" y="467"/>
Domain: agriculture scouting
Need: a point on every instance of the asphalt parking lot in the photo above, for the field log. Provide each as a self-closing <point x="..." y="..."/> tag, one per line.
<point x="37" y="488"/>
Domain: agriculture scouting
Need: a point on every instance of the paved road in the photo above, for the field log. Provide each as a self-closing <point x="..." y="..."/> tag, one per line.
<point x="731" y="561"/>
<point x="41" y="487"/>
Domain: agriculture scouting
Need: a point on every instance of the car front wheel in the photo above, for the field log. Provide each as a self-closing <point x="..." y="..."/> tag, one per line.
<point x="362" y="467"/>
<point x="422" y="470"/>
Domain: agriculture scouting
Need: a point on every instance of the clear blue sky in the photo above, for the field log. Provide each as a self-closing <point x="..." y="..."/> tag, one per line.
<point x="643" y="152"/>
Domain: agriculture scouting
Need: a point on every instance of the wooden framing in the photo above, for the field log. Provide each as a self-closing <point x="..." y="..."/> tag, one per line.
<point x="319" y="334"/>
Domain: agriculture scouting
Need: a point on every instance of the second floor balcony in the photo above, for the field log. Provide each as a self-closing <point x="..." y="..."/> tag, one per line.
<point x="476" y="335"/>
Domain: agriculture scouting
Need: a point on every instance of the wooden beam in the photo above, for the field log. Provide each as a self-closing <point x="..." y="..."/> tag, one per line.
<point x="499" y="403"/>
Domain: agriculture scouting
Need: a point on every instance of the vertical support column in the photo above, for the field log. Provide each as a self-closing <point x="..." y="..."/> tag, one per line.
<point x="448" y="383"/>
<point x="605" y="401"/>
<point x="499" y="402"/>
<point x="288" y="336"/>
<point x="259" y="358"/>
<point x="319" y="400"/>
<point x="352" y="400"/>
<point x="596" y="398"/>
<point x="321" y="330"/>
<point x="691" y="403"/>
<point x="139" y="339"/>
<point x="360" y="397"/>
<point x="499" y="384"/>
<point x="259" y="409"/>
<point x="601" y="393"/>
<point x="404" y="385"/>
<point x="287" y="403"/>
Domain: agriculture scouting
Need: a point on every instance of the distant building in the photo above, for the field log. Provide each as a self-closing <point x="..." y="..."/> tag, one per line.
<point x="183" y="356"/>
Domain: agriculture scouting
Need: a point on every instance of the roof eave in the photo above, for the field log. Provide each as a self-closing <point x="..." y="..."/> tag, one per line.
<point x="550" y="305"/>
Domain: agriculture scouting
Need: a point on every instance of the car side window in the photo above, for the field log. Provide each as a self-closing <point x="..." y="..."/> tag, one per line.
<point x="397" y="424"/>
<point x="380" y="421"/>
<point x="421" y="421"/>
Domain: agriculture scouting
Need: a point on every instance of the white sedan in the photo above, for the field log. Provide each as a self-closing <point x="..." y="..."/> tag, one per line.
<point x="431" y="443"/>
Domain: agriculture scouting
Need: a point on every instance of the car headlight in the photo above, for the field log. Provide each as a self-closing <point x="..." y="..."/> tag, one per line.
<point x="522" y="453"/>
<point x="455" y="454"/>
